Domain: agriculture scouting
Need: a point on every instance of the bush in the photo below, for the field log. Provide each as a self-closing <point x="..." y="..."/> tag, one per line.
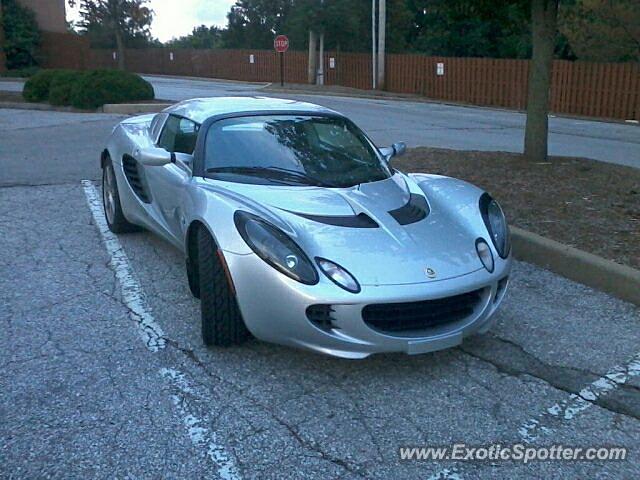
<point x="98" y="87"/>
<point x="36" y="89"/>
<point x="62" y="85"/>
<point x="22" y="36"/>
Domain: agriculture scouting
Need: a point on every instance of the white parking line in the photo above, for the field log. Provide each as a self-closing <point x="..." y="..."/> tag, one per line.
<point x="566" y="410"/>
<point x="132" y="293"/>
<point x="200" y="436"/>
<point x="445" y="474"/>
<point x="154" y="339"/>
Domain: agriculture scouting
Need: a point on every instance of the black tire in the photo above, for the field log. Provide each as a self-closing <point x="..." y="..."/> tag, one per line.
<point x="222" y="323"/>
<point x="115" y="218"/>
<point x="193" y="275"/>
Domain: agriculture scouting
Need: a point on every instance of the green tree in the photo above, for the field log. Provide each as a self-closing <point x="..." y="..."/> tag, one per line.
<point x="116" y="23"/>
<point x="602" y="30"/>
<point x="254" y="23"/>
<point x="201" y="37"/>
<point x="22" y="36"/>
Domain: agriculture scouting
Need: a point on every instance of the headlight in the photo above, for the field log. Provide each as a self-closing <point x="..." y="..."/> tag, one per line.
<point x="275" y="247"/>
<point x="484" y="252"/>
<point x="496" y="224"/>
<point x="338" y="275"/>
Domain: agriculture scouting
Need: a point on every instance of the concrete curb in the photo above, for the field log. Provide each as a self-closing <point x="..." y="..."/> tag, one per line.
<point x="42" y="107"/>
<point x="597" y="272"/>
<point x="134" y="108"/>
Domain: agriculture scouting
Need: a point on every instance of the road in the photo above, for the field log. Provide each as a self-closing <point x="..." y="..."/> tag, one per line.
<point x="435" y="124"/>
<point x="443" y="126"/>
<point x="85" y="393"/>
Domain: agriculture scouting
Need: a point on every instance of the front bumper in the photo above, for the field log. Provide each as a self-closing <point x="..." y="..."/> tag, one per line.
<point x="274" y="307"/>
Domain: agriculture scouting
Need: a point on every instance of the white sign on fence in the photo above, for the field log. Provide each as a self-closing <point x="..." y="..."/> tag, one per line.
<point x="332" y="62"/>
<point x="171" y="56"/>
<point x="114" y="55"/>
<point x="440" y="68"/>
<point x="252" y="59"/>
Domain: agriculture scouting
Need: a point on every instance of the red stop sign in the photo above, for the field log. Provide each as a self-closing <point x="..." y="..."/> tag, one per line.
<point x="281" y="43"/>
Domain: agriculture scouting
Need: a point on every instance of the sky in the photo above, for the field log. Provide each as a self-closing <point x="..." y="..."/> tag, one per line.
<point x="175" y="18"/>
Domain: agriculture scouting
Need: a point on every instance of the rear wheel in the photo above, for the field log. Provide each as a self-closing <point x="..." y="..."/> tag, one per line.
<point x="111" y="201"/>
<point x="222" y="323"/>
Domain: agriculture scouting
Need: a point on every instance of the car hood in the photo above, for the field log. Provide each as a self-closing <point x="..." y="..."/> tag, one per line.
<point x="391" y="254"/>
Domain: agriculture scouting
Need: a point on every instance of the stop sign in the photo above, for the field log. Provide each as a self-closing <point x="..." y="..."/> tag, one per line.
<point x="281" y="43"/>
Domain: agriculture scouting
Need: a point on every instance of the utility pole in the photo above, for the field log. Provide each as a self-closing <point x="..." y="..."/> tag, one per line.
<point x="311" y="73"/>
<point x="382" y="30"/>
<point x="373" y="45"/>
<point x="320" y="80"/>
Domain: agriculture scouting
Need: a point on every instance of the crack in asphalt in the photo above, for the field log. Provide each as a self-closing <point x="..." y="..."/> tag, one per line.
<point x="512" y="359"/>
<point x="307" y="444"/>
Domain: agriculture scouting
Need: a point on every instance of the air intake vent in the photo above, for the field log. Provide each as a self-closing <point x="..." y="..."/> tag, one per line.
<point x="132" y="172"/>
<point x="320" y="316"/>
<point x="415" y="210"/>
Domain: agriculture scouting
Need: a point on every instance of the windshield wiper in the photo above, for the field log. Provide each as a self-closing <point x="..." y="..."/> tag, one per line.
<point x="274" y="172"/>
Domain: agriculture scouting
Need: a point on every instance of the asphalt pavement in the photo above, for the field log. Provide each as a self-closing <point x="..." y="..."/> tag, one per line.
<point x="85" y="394"/>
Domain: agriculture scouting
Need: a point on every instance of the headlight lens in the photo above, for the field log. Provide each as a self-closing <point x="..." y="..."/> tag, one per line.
<point x="274" y="247"/>
<point x="496" y="224"/>
<point x="338" y="275"/>
<point x="484" y="252"/>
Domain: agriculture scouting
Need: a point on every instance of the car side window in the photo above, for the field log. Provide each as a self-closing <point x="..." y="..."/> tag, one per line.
<point x="179" y="135"/>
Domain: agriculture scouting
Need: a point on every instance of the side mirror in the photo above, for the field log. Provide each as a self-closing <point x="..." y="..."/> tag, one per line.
<point x="153" y="157"/>
<point x="399" y="148"/>
<point x="395" y="150"/>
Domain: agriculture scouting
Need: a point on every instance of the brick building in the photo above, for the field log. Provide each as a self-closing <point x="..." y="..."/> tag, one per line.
<point x="50" y="14"/>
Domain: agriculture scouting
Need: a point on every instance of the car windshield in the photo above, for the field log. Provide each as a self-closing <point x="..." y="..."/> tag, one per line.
<point x="292" y="150"/>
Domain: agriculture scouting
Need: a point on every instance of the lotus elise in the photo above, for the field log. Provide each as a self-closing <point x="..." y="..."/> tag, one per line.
<point x="298" y="230"/>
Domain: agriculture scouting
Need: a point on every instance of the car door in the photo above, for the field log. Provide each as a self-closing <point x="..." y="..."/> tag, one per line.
<point x="168" y="182"/>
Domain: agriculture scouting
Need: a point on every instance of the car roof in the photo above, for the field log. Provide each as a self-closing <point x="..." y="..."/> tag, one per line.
<point x="200" y="109"/>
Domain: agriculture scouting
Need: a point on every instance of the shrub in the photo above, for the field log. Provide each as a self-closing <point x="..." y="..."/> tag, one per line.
<point x="98" y="87"/>
<point x="22" y="36"/>
<point x="36" y="89"/>
<point x="62" y="85"/>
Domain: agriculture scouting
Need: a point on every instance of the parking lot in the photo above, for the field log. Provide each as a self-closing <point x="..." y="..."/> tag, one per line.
<point x="110" y="382"/>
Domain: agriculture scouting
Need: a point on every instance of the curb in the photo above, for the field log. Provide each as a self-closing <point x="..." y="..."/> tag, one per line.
<point x="583" y="267"/>
<point x="134" y="108"/>
<point x="42" y="107"/>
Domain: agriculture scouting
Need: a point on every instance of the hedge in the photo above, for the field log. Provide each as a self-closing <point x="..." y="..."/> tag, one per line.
<point x="36" y="89"/>
<point x="62" y="86"/>
<point x="98" y="87"/>
<point x="86" y="90"/>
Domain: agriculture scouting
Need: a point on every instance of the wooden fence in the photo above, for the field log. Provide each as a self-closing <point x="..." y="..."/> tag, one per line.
<point x="606" y="90"/>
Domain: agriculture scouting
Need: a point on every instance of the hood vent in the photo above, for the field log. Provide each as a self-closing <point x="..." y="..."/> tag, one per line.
<point x="361" y="220"/>
<point x="415" y="210"/>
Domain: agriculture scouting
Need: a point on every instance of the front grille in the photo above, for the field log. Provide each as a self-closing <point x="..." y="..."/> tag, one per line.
<point x="402" y="318"/>
<point x="132" y="172"/>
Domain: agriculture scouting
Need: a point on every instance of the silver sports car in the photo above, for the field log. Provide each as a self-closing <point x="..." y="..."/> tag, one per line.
<point x="297" y="229"/>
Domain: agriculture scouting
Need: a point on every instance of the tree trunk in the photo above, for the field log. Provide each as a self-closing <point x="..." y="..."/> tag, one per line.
<point x="544" y="14"/>
<point x="3" y="66"/>
<point x="120" y="48"/>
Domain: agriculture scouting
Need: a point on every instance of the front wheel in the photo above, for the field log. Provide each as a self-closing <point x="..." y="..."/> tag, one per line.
<point x="116" y="220"/>
<point x="222" y="323"/>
